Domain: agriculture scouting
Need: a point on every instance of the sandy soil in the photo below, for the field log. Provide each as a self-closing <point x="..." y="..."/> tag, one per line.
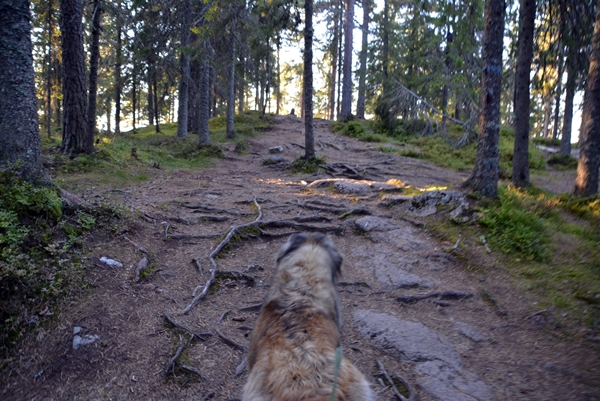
<point x="520" y="356"/>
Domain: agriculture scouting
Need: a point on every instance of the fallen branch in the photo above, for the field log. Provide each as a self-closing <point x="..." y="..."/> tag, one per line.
<point x="192" y="369"/>
<point x="250" y="280"/>
<point x="208" y="396"/>
<point x="241" y="367"/>
<point x="227" y="312"/>
<point x="230" y="342"/>
<point x="173" y="361"/>
<point x="440" y="296"/>
<point x="411" y="393"/>
<point x="198" y="265"/>
<point x="251" y="308"/>
<point x="138" y="247"/>
<point x="174" y="323"/>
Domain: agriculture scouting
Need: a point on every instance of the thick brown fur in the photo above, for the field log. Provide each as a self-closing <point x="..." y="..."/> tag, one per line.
<point x="292" y="353"/>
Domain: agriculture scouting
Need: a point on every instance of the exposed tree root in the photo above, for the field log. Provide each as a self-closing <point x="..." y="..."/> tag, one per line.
<point x="173" y="361"/>
<point x="193" y="370"/>
<point x="251" y="308"/>
<point x="440" y="296"/>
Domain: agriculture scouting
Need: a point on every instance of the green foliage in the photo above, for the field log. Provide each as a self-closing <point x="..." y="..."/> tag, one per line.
<point x="562" y="162"/>
<point x="515" y="228"/>
<point x="38" y="241"/>
<point x="546" y="142"/>
<point x="358" y="130"/>
<point x="307" y="166"/>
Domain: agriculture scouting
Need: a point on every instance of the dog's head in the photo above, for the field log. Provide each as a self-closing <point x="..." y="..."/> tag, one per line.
<point x="314" y="240"/>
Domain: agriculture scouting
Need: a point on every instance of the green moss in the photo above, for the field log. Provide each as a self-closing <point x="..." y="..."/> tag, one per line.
<point x="562" y="162"/>
<point x="307" y="166"/>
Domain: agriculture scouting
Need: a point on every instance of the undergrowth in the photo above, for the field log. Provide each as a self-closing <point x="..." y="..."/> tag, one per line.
<point x="131" y="156"/>
<point x="439" y="148"/>
<point x="40" y="254"/>
<point x="551" y="244"/>
<point x="307" y="166"/>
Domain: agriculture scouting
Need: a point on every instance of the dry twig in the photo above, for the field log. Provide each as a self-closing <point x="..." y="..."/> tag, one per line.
<point x="411" y="393"/>
<point x="174" y="323"/>
<point x="173" y="361"/>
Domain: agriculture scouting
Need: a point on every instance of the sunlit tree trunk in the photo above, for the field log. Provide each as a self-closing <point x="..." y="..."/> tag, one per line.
<point x="360" y="103"/>
<point x="484" y="179"/>
<point x="19" y="129"/>
<point x="565" y="142"/>
<point x="94" y="59"/>
<point x="347" y="82"/>
<point x="309" y="134"/>
<point x="334" y="65"/>
<point x="520" y="172"/>
<point x="586" y="183"/>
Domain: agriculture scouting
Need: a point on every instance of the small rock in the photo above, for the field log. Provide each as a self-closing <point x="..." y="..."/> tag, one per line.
<point x="276" y="149"/>
<point x="373" y="223"/>
<point x="111" y="262"/>
<point x="84" y="340"/>
<point x="347" y="187"/>
<point x="446" y="383"/>
<point x="77" y="330"/>
<point x="273" y="160"/>
<point x="392" y="200"/>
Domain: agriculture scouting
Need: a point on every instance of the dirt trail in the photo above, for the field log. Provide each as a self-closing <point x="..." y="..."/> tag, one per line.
<point x="463" y="348"/>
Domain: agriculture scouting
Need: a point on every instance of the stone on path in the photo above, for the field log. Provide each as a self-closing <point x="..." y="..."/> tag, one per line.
<point x="438" y="364"/>
<point x="373" y="223"/>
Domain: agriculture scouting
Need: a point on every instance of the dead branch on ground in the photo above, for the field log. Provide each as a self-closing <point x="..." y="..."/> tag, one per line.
<point x="440" y="296"/>
<point x="231" y="343"/>
<point x="175" y="324"/>
<point x="411" y="393"/>
<point x="173" y="361"/>
<point x="138" y="247"/>
<point x="192" y="369"/>
<point x="251" y="308"/>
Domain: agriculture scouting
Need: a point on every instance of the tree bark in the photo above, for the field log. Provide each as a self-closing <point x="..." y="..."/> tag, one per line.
<point x="242" y="83"/>
<point x="150" y="102"/>
<point x="334" y="66"/>
<point x="118" y="65"/>
<point x="204" y="104"/>
<point x="184" y="82"/>
<point x="565" y="141"/>
<point x="75" y="136"/>
<point x="19" y="129"/>
<point x="520" y="172"/>
<point x="362" y="75"/>
<point x="49" y="30"/>
<point x="94" y="59"/>
<point x="557" y="98"/>
<point x="347" y="83"/>
<point x="230" y="132"/>
<point x="586" y="183"/>
<point x="484" y="179"/>
<point x="307" y="85"/>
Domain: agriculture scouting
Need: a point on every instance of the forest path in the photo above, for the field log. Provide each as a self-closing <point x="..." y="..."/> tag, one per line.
<point x="451" y="346"/>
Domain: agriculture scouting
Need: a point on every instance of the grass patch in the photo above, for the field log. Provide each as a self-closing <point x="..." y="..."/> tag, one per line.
<point x="550" y="243"/>
<point x="132" y="156"/>
<point x="562" y="162"/>
<point x="307" y="166"/>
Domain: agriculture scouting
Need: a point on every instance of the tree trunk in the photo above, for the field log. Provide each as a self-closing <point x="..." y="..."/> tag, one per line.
<point x="347" y="83"/>
<point x="204" y="104"/>
<point x="565" y="142"/>
<point x="75" y="136"/>
<point x="278" y="83"/>
<point x="334" y="65"/>
<point x="586" y="183"/>
<point x="520" y="172"/>
<point x="307" y="85"/>
<point x="362" y="75"/>
<point x="386" y="39"/>
<point x="155" y="95"/>
<point x="49" y="29"/>
<point x="484" y="179"/>
<point x="242" y="83"/>
<point x="230" y="132"/>
<point x="134" y="96"/>
<point x="547" y="113"/>
<point x="557" y="98"/>
<point x="150" y="102"/>
<point x="184" y="82"/>
<point x="94" y="59"/>
<point x="118" y="64"/>
<point x="19" y="129"/>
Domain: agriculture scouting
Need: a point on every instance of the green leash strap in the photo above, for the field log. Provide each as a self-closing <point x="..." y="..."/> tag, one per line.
<point x="338" y="364"/>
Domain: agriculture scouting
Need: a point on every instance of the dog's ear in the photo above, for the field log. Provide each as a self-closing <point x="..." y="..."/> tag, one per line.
<point x="326" y="243"/>
<point x="294" y="242"/>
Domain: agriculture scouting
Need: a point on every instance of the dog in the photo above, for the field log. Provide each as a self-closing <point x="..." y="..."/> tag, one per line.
<point x="292" y="354"/>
